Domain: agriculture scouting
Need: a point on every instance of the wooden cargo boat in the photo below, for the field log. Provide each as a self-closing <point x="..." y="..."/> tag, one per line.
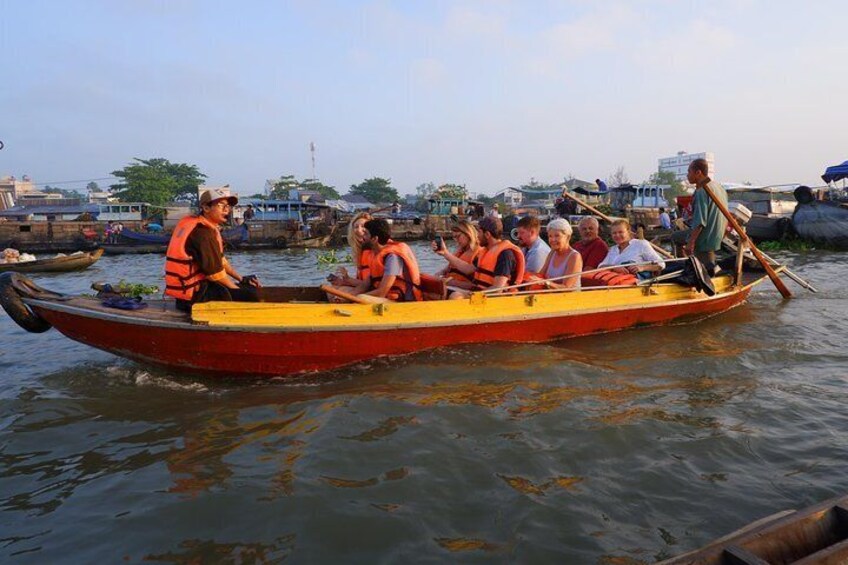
<point x="296" y="330"/>
<point x="817" y="535"/>
<point x="75" y="262"/>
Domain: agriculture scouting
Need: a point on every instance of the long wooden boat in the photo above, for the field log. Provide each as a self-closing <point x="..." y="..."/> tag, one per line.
<point x="817" y="535"/>
<point x="74" y="262"/>
<point x="296" y="330"/>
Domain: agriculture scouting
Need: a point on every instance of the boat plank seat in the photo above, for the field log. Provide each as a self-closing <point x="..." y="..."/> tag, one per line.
<point x="433" y="287"/>
<point x="735" y="555"/>
<point x="291" y="294"/>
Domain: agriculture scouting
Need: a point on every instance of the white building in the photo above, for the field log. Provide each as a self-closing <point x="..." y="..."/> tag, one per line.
<point x="679" y="164"/>
<point x="510" y="195"/>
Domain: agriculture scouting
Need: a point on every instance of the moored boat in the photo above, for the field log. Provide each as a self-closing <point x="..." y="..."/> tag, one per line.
<point x="296" y="330"/>
<point x="820" y="221"/>
<point x="771" y="208"/>
<point x="73" y="262"/>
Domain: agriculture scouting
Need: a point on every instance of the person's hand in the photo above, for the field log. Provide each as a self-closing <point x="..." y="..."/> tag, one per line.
<point x="634" y="269"/>
<point x="342" y="272"/>
<point x="250" y="280"/>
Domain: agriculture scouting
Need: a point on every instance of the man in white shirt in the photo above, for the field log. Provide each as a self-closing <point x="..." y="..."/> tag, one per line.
<point x="534" y="247"/>
<point x="665" y="219"/>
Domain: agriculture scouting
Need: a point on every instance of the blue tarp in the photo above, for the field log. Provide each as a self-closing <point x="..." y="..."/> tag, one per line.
<point x="836" y="172"/>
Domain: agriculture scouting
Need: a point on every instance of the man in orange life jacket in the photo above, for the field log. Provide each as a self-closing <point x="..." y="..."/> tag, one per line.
<point x="195" y="267"/>
<point x="502" y="264"/>
<point x="394" y="273"/>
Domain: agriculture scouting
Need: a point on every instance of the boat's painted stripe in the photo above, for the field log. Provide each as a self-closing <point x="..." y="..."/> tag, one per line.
<point x="565" y="313"/>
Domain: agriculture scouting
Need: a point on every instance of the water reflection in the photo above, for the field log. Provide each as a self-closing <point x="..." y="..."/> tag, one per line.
<point x="203" y="434"/>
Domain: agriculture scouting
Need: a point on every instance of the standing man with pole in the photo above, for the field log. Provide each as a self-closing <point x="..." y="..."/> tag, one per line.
<point x="708" y="223"/>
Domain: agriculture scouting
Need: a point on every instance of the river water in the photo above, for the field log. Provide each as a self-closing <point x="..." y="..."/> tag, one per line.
<point x="616" y="449"/>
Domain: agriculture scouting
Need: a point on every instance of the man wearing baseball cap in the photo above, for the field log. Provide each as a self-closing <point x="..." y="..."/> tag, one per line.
<point x="195" y="267"/>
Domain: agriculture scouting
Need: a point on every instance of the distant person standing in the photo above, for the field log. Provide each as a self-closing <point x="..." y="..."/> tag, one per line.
<point x="249" y="213"/>
<point x="708" y="223"/>
<point x="602" y="186"/>
<point x="495" y="211"/>
<point x="665" y="219"/>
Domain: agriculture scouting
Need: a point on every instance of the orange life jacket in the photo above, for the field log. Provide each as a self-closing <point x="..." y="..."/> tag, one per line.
<point x="468" y="256"/>
<point x="485" y="274"/>
<point x="608" y="278"/>
<point x="398" y="288"/>
<point x="363" y="270"/>
<point x="182" y="275"/>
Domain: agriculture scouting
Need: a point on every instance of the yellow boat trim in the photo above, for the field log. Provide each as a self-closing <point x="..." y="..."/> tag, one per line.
<point x="478" y="309"/>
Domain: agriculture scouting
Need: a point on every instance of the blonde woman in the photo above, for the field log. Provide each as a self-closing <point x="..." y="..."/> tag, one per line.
<point x="361" y="257"/>
<point x="563" y="259"/>
<point x="634" y="255"/>
<point x="460" y="269"/>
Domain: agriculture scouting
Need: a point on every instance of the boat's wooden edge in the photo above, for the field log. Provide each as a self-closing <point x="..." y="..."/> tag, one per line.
<point x="760" y="530"/>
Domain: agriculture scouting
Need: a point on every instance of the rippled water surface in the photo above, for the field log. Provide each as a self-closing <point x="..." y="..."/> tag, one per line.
<point x="615" y="449"/>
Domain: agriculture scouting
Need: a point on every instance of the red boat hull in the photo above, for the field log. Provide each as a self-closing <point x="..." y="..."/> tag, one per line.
<point x="208" y="350"/>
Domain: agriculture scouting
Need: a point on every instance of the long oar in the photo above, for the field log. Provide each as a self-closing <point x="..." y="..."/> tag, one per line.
<point x="609" y="220"/>
<point x="360" y="299"/>
<point x="784" y="291"/>
<point x="774" y="263"/>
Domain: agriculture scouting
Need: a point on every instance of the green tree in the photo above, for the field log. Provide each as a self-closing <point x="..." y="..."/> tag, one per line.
<point x="157" y="181"/>
<point x="65" y="193"/>
<point x="329" y="192"/>
<point x="282" y="187"/>
<point x="452" y="191"/>
<point x="668" y="178"/>
<point x="376" y="190"/>
<point x="92" y="187"/>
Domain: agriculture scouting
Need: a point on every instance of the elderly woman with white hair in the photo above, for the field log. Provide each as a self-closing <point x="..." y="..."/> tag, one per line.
<point x="563" y="260"/>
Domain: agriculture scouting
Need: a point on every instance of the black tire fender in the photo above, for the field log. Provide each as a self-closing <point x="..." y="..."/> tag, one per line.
<point x="14" y="306"/>
<point x="281" y="242"/>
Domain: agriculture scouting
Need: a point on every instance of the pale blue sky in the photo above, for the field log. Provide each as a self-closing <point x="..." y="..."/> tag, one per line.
<point x="487" y="93"/>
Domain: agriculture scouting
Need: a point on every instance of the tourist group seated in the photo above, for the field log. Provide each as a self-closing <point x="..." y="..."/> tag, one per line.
<point x="483" y="260"/>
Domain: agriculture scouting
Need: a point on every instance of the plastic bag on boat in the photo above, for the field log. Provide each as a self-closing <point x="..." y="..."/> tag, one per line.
<point x="25" y="257"/>
<point x="124" y="303"/>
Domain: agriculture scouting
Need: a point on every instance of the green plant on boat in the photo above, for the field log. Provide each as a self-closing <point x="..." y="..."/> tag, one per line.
<point x="329" y="258"/>
<point x="135" y="290"/>
<point x="788" y="244"/>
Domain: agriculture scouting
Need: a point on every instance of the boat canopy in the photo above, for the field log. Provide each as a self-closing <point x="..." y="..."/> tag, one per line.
<point x="836" y="172"/>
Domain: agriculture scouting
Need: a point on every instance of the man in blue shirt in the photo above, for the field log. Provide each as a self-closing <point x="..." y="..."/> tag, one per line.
<point x="534" y="247"/>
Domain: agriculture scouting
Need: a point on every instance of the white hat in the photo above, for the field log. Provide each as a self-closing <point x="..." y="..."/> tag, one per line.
<point x="214" y="194"/>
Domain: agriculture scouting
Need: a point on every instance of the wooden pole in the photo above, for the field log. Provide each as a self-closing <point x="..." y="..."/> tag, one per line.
<point x="740" y="260"/>
<point x="743" y="238"/>
<point x="727" y="243"/>
<point x="356" y="299"/>
<point x="609" y="220"/>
